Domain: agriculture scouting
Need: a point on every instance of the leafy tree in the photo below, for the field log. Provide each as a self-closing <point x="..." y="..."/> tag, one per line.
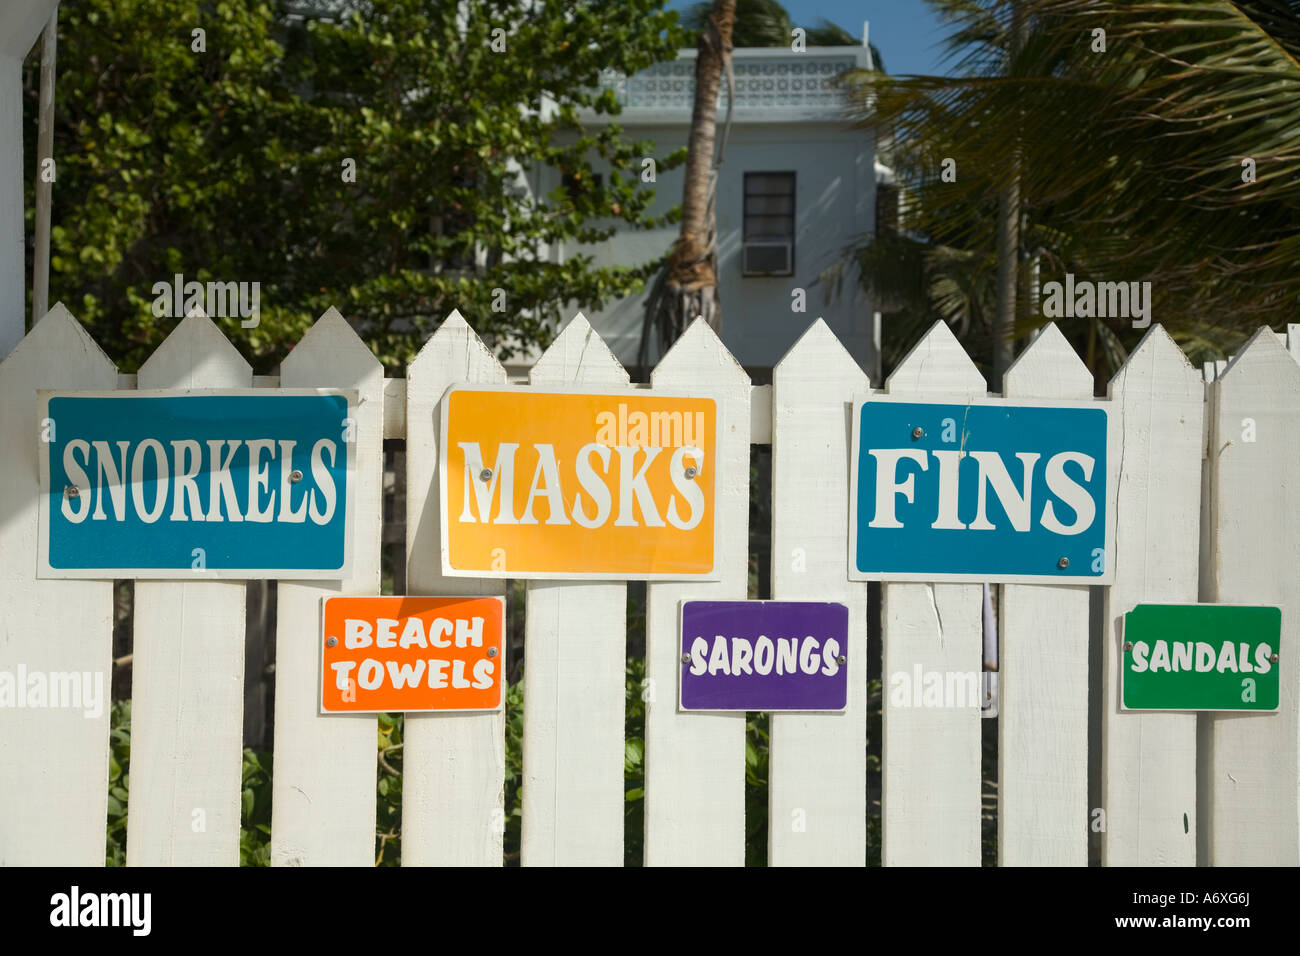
<point x="214" y="139"/>
<point x="1135" y="122"/>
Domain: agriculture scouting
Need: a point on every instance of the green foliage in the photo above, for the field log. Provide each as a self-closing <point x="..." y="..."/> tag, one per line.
<point x="634" y="763"/>
<point x="255" y="810"/>
<point x="119" y="780"/>
<point x="388" y="792"/>
<point x="514" y="789"/>
<point x="227" y="164"/>
<point x="1131" y="167"/>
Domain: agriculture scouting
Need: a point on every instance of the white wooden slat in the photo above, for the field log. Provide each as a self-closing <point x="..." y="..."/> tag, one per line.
<point x="453" y="765"/>
<point x="817" y="765"/>
<point x="930" y="801"/>
<point x="1293" y="340"/>
<point x="323" y="787"/>
<point x="1043" y="670"/>
<point x="53" y="762"/>
<point x="695" y="762"/>
<point x="187" y="685"/>
<point x="1149" y="759"/>
<point x="13" y="172"/>
<point x="575" y="646"/>
<point x="395" y="408"/>
<point x="760" y="414"/>
<point x="1253" y="783"/>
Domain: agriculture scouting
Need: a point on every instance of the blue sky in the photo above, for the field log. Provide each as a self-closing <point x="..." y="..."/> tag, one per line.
<point x="906" y="32"/>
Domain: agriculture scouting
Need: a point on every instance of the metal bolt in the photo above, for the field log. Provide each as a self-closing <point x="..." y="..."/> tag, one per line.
<point x="686" y="658"/>
<point x="1063" y="563"/>
<point x="295" y="475"/>
<point x="1128" y="645"/>
<point x="485" y="474"/>
<point x="1273" y="658"/>
<point x="331" y="641"/>
<point x="492" y="652"/>
<point x="918" y="432"/>
<point x="691" y="472"/>
<point x="841" y="660"/>
<point x="71" y="491"/>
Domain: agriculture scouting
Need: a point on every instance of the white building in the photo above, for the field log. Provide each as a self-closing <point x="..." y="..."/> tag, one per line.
<point x="797" y="186"/>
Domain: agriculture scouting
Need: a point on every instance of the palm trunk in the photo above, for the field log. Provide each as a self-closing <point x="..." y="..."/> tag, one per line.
<point x="1004" y="322"/>
<point x="692" y="279"/>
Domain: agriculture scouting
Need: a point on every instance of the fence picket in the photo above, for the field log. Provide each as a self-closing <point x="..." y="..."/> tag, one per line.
<point x="930" y="804"/>
<point x="1149" y="759"/>
<point x="575" y="646"/>
<point x="1253" y="760"/>
<point x="1043" y="671"/>
<point x="49" y="626"/>
<point x="187" y="682"/>
<point x="323" y="787"/>
<point x="817" y="764"/>
<point x="695" y="762"/>
<point x="453" y="765"/>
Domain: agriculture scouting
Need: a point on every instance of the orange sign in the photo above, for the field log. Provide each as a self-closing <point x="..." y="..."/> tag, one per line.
<point x="395" y="654"/>
<point x="556" y="484"/>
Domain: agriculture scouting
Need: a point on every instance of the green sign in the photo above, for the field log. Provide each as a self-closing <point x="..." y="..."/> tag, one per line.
<point x="1201" y="657"/>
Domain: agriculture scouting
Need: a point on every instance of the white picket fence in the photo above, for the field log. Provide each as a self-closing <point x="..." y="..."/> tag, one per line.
<point x="1158" y="769"/>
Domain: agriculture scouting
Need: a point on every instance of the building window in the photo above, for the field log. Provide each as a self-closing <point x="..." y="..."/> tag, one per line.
<point x="768" y="248"/>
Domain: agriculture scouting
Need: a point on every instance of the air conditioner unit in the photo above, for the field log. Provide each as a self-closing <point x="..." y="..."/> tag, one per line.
<point x="767" y="257"/>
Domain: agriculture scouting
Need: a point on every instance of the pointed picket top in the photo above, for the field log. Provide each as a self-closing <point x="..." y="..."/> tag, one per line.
<point x="578" y="356"/>
<point x="698" y="357"/>
<point x="937" y="365"/>
<point x="1261" y="352"/>
<point x="330" y="344"/>
<point x="59" y="333"/>
<point x="195" y="355"/>
<point x="1158" y="356"/>
<point x="454" y="320"/>
<point x="455" y="353"/>
<point x="1048" y="368"/>
<point x="817" y="355"/>
<point x="21" y="24"/>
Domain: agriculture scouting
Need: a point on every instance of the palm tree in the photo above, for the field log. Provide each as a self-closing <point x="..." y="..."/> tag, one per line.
<point x="766" y="23"/>
<point x="688" y="285"/>
<point x="1158" y="142"/>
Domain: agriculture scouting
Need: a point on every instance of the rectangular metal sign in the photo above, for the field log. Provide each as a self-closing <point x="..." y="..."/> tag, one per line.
<point x="1201" y="657"/>
<point x="980" y="492"/>
<point x="764" y="655"/>
<point x="241" y="483"/>
<point x="412" y="654"/>
<point x="562" y="484"/>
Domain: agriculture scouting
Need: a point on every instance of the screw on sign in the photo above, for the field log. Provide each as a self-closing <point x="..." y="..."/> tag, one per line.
<point x="137" y="482"/>
<point x="412" y="654"/>
<point x="564" y="484"/>
<point x="989" y="491"/>
<point x="1201" y="657"/>
<point x="764" y="655"/>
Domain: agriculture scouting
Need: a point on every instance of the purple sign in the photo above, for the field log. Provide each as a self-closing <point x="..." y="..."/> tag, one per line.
<point x="764" y="655"/>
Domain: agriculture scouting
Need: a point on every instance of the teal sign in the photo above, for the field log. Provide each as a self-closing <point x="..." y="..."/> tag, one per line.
<point x="988" y="491"/>
<point x="181" y="484"/>
<point x="1201" y="657"/>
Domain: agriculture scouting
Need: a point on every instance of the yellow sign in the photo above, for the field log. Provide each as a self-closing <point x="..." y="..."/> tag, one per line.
<point x="555" y="484"/>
